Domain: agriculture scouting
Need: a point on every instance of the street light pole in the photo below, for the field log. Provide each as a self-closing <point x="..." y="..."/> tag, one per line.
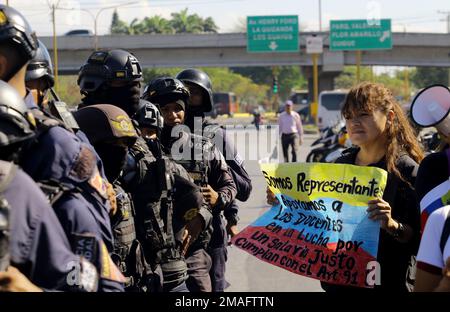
<point x="55" y="47"/>
<point x="96" y="16"/>
<point x="320" y="15"/>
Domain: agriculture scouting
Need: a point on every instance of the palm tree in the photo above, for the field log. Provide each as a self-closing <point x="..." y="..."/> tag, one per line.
<point x="184" y="23"/>
<point x="157" y="25"/>
<point x="136" y="27"/>
<point x="195" y="24"/>
<point x="209" y="25"/>
<point x="118" y="26"/>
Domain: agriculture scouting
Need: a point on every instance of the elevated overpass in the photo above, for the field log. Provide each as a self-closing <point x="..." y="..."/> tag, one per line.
<point x="223" y="50"/>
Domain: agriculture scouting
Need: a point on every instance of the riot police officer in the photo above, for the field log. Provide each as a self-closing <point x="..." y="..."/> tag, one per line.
<point x="31" y="238"/>
<point x="200" y="158"/>
<point x="39" y="81"/>
<point x="114" y="77"/>
<point x="188" y="194"/>
<point x="39" y="77"/>
<point x="111" y="132"/>
<point x="200" y="102"/>
<point x="56" y="158"/>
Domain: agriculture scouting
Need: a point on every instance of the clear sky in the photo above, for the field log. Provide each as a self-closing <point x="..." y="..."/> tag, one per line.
<point x="406" y="15"/>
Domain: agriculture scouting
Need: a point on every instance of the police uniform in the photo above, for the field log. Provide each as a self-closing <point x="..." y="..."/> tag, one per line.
<point x="38" y="246"/>
<point x="211" y="167"/>
<point x="217" y="135"/>
<point x="107" y="126"/>
<point x="61" y="160"/>
<point x="143" y="177"/>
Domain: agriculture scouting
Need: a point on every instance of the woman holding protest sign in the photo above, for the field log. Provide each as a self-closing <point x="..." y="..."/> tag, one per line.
<point x="384" y="138"/>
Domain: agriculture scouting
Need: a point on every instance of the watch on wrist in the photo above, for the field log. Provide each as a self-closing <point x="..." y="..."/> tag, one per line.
<point x="398" y="232"/>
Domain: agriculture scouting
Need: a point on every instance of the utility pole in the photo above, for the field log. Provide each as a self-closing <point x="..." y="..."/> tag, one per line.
<point x="54" y="7"/>
<point x="447" y="13"/>
<point x="448" y="32"/>
<point x="320" y="15"/>
<point x="55" y="47"/>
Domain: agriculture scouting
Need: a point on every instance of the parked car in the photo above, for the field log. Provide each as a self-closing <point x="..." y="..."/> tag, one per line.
<point x="79" y="32"/>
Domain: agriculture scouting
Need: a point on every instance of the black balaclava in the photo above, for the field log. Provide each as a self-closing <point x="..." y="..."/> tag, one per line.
<point x="155" y="146"/>
<point x="126" y="97"/>
<point x="114" y="158"/>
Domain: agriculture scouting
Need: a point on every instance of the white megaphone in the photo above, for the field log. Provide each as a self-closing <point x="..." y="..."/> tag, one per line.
<point x="431" y="108"/>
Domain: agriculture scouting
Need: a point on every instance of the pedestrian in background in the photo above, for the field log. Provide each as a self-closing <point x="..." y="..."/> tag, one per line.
<point x="291" y="129"/>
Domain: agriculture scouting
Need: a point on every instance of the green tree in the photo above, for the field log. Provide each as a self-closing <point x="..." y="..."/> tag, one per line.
<point x="136" y="27"/>
<point x="182" y="22"/>
<point x="157" y="25"/>
<point x="347" y="78"/>
<point x="152" y="73"/>
<point x="425" y="76"/>
<point x="289" y="77"/>
<point x="118" y="27"/>
<point x="223" y="80"/>
<point x="396" y="82"/>
<point x="209" y="25"/>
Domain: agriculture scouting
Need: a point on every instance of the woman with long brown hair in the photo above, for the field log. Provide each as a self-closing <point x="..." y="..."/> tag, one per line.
<point x="384" y="138"/>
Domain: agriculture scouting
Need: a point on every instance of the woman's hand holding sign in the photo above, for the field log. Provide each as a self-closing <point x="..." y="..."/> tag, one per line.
<point x="270" y="197"/>
<point x="380" y="210"/>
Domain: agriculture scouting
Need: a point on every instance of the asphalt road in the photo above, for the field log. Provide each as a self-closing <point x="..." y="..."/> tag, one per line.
<point x="245" y="272"/>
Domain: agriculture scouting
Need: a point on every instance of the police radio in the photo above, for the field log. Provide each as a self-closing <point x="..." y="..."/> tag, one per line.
<point x="431" y="108"/>
<point x="4" y="234"/>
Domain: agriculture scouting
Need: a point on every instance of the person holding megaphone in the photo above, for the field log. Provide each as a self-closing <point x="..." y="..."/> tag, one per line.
<point x="431" y="108"/>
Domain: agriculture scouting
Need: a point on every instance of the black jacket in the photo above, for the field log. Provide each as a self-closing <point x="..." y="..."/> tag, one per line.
<point x="393" y="256"/>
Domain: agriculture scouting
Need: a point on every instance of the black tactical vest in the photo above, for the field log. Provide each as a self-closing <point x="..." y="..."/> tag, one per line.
<point x="127" y="255"/>
<point x="150" y="183"/>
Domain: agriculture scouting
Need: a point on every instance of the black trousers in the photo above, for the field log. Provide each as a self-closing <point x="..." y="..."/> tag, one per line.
<point x="292" y="140"/>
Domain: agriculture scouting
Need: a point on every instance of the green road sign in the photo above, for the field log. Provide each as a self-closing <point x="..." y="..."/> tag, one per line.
<point x="272" y="33"/>
<point x="360" y="35"/>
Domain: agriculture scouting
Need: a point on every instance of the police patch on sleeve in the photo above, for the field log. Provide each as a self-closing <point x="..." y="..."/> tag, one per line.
<point x="108" y="269"/>
<point x="88" y="276"/>
<point x="98" y="184"/>
<point x="85" y="245"/>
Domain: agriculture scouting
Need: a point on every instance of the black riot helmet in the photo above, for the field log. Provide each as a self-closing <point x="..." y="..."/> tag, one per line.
<point x="16" y="122"/>
<point x="41" y="66"/>
<point x="106" y="123"/>
<point x="165" y="90"/>
<point x="149" y="116"/>
<point x="111" y="132"/>
<point x="104" y="67"/>
<point x="202" y="80"/>
<point x="15" y="29"/>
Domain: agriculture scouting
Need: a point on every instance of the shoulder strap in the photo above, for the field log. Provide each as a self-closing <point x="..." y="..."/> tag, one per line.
<point x="445" y="234"/>
<point x="45" y="121"/>
<point x="54" y="190"/>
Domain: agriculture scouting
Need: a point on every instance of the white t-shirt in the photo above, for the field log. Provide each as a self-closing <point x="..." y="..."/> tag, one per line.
<point x="430" y="257"/>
